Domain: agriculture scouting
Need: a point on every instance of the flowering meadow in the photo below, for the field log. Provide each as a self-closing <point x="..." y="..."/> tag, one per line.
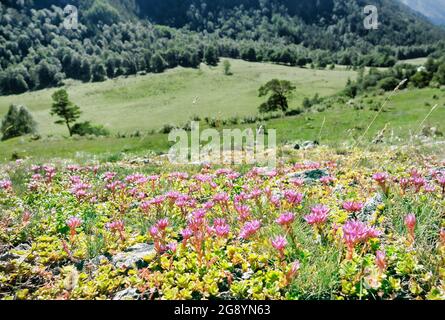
<point x="322" y="225"/>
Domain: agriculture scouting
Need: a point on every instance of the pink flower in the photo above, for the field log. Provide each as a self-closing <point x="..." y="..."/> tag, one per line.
<point x="294" y="267"/>
<point x="73" y="223"/>
<point x="145" y="206"/>
<point x="429" y="188"/>
<point x="243" y="211"/>
<point x="255" y="193"/>
<point x="116" y="226"/>
<point x="6" y="185"/>
<point x="380" y="260"/>
<point x="279" y="243"/>
<point x="442" y="236"/>
<point x="326" y="180"/>
<point x="404" y="182"/>
<point x="441" y="181"/>
<point x="221" y="198"/>
<point x="286" y="219"/>
<point x="172" y="246"/>
<point x="381" y="178"/>
<point x="318" y="215"/>
<point x="410" y="223"/>
<point x="293" y="197"/>
<point x="298" y="182"/>
<point x="353" y="207"/>
<point x="249" y="229"/>
<point x="354" y="232"/>
<point x="108" y="176"/>
<point x="418" y="183"/>
<point x="276" y="201"/>
<point x="162" y="224"/>
<point x="222" y="231"/>
<point x="186" y="234"/>
<point x="154" y="231"/>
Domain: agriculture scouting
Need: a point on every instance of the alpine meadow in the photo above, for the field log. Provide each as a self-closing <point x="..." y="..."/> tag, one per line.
<point x="222" y="150"/>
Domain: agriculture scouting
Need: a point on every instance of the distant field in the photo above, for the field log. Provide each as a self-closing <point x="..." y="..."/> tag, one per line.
<point x="403" y="116"/>
<point x="416" y="62"/>
<point x="149" y="102"/>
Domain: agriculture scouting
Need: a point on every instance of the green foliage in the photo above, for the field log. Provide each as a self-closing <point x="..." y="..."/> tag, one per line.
<point x="17" y="122"/>
<point x="65" y="109"/>
<point x="227" y="68"/>
<point x="37" y="53"/>
<point x="211" y="56"/>
<point x="101" y="12"/>
<point x="280" y="90"/>
<point x="86" y="128"/>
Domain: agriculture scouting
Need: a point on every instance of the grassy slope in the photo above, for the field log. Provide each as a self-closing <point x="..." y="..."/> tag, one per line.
<point x="403" y="114"/>
<point x="149" y="102"/>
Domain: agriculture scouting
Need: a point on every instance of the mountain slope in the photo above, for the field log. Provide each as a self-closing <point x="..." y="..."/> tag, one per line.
<point x="433" y="9"/>
<point x="125" y="37"/>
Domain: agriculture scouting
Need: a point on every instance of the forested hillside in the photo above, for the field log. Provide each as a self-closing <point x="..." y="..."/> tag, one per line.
<point x="124" y="37"/>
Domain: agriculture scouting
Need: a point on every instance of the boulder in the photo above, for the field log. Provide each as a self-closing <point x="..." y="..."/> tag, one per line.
<point x="133" y="256"/>
<point x="127" y="294"/>
<point x="370" y="207"/>
<point x="310" y="176"/>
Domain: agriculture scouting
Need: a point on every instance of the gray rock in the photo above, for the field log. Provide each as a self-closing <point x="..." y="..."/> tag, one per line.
<point x="370" y="207"/>
<point x="306" y="145"/>
<point x="127" y="294"/>
<point x="22" y="247"/>
<point x="247" y="275"/>
<point x="310" y="176"/>
<point x="133" y="256"/>
<point x="97" y="260"/>
<point x="435" y="170"/>
<point x="8" y="256"/>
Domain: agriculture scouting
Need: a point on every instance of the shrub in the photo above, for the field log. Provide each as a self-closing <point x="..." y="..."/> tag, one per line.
<point x="17" y="122"/>
<point x="294" y="112"/>
<point x="167" y="128"/>
<point x="86" y="128"/>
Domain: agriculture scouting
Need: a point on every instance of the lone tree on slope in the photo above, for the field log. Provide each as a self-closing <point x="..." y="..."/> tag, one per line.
<point x="65" y="109"/>
<point x="280" y="90"/>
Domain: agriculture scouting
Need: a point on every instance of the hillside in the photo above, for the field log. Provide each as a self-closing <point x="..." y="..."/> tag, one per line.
<point x="36" y="52"/>
<point x="433" y="9"/>
<point x="149" y="102"/>
<point x="132" y="107"/>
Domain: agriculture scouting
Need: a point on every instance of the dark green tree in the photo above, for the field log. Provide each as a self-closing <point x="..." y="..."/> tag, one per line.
<point x="98" y="72"/>
<point x="279" y="91"/>
<point x="211" y="56"/>
<point x="157" y="63"/>
<point x="17" y="122"/>
<point x="65" y="109"/>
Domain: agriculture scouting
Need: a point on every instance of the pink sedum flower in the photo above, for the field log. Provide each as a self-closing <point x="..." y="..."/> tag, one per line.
<point x="381" y="178"/>
<point x="250" y="229"/>
<point x="352" y="206"/>
<point x="380" y="260"/>
<point x="293" y="197"/>
<point x="355" y="232"/>
<point x="318" y="215"/>
<point x="279" y="243"/>
<point x="162" y="224"/>
<point x="6" y="185"/>
<point x="286" y="219"/>
<point x="410" y="223"/>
